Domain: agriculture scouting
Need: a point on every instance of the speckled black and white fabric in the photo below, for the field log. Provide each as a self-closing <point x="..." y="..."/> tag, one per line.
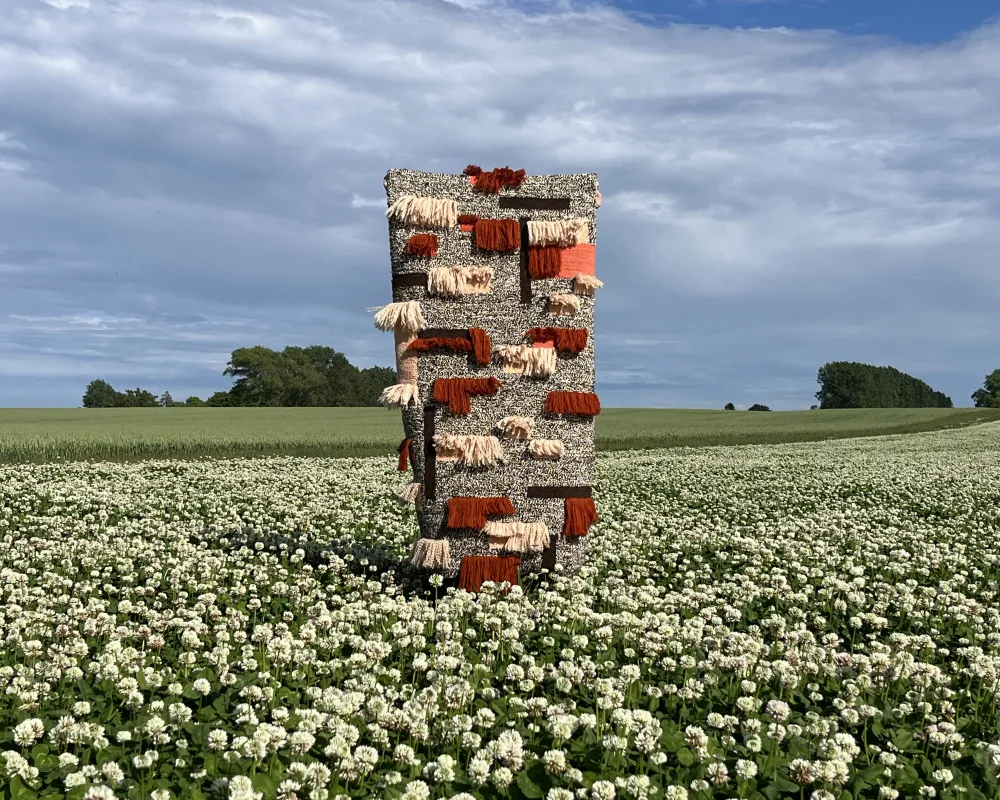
<point x="506" y="319"/>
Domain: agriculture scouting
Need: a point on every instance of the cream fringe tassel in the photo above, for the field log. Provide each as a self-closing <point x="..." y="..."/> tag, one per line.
<point x="563" y="305"/>
<point x="586" y="284"/>
<point x="473" y="451"/>
<point x="410" y="494"/>
<point x="518" y="537"/>
<point x="516" y="427"/>
<point x="538" y="362"/>
<point x="547" y="449"/>
<point x="399" y="395"/>
<point x="558" y="232"/>
<point x="425" y="212"/>
<point x="459" y="280"/>
<point x="406" y="316"/>
<point x="431" y="553"/>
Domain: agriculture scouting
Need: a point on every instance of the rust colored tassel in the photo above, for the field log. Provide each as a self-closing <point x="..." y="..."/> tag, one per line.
<point x="580" y="513"/>
<point x="482" y="346"/>
<point x="422" y="244"/>
<point x="567" y="340"/>
<point x="544" y="262"/>
<point x="498" y="235"/>
<point x="457" y="391"/>
<point x="441" y="343"/>
<point x="583" y="403"/>
<point x="405" y="454"/>
<point x="476" y="570"/>
<point x="466" y="222"/>
<point x="472" y="170"/>
<point x="471" y="512"/>
<point x="502" y="177"/>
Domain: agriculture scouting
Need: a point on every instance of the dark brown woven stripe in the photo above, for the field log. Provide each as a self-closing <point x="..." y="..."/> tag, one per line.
<point x="547" y="492"/>
<point x="444" y="333"/>
<point x="410" y="279"/>
<point x="525" y="276"/>
<point x="535" y="203"/>
<point x="430" y="455"/>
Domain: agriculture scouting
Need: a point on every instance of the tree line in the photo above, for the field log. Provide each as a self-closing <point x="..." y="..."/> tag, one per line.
<point x="295" y="377"/>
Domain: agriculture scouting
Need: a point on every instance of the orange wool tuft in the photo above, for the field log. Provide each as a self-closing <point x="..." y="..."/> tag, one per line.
<point x="422" y="244"/>
<point x="457" y="391"/>
<point x="441" y="343"/>
<point x="495" y="180"/>
<point x="497" y="235"/>
<point x="471" y="512"/>
<point x="466" y="222"/>
<point x="405" y="454"/>
<point x="581" y="259"/>
<point x="544" y="262"/>
<point x="482" y="346"/>
<point x="476" y="570"/>
<point x="580" y="513"/>
<point x="567" y="340"/>
<point x="472" y="170"/>
<point x="580" y="403"/>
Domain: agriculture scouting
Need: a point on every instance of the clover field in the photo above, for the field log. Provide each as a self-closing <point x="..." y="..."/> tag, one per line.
<point x="816" y="620"/>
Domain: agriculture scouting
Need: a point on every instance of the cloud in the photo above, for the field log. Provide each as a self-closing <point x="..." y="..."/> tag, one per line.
<point x="772" y="199"/>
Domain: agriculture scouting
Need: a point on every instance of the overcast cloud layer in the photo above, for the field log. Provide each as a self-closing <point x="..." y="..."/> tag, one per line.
<point x="181" y="178"/>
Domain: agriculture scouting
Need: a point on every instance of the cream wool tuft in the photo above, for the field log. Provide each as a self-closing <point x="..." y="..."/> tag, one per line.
<point x="586" y="284"/>
<point x="431" y="553"/>
<point x="546" y="449"/>
<point x="425" y="212"/>
<point x="516" y="427"/>
<point x="564" y="305"/>
<point x="558" y="232"/>
<point x="454" y="281"/>
<point x="410" y="494"/>
<point x="518" y="537"/>
<point x="473" y="451"/>
<point x="537" y="362"/>
<point x="399" y="395"/>
<point x="400" y="316"/>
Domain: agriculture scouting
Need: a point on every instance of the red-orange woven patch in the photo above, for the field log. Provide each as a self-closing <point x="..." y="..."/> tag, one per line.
<point x="580" y="259"/>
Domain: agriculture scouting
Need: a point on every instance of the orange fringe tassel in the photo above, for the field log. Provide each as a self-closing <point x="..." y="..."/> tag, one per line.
<point x="500" y="178"/>
<point x="472" y="171"/>
<point x="456" y="392"/>
<point x="482" y="345"/>
<point x="405" y="454"/>
<point x="467" y="222"/>
<point x="544" y="262"/>
<point x="498" y="235"/>
<point x="476" y="570"/>
<point x="583" y="403"/>
<point x="439" y="342"/>
<point x="422" y="244"/>
<point x="580" y="513"/>
<point x="471" y="512"/>
<point x="567" y="340"/>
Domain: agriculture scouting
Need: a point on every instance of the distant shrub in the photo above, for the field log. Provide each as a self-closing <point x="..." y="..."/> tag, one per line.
<point x="758" y="407"/>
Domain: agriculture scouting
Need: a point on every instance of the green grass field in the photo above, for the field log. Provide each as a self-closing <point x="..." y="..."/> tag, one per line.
<point x="42" y="435"/>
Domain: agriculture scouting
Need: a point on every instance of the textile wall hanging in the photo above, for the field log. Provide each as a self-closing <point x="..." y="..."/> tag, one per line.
<point x="497" y="399"/>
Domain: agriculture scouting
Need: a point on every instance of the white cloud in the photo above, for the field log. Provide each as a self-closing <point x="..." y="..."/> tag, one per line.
<point x="759" y="186"/>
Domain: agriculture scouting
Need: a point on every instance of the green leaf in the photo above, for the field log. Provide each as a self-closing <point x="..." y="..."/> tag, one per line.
<point x="528" y="787"/>
<point x="685" y="757"/>
<point x="19" y="790"/>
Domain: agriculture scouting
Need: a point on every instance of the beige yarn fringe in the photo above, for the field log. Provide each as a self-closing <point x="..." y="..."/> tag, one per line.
<point x="538" y="362"/>
<point x="516" y="427"/>
<point x="406" y="315"/>
<point x="586" y="284"/>
<point x="451" y="281"/>
<point x="558" y="232"/>
<point x="399" y="395"/>
<point x="410" y="494"/>
<point x="431" y="553"/>
<point x="563" y="305"/>
<point x="473" y="451"/>
<point x="518" y="537"/>
<point x="547" y="449"/>
<point x="425" y="212"/>
<point x="407" y="362"/>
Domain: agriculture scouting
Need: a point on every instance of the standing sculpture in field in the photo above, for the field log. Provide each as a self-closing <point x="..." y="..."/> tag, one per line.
<point x="493" y="287"/>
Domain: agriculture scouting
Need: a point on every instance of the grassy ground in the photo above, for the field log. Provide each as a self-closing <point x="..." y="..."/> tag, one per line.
<point x="40" y="435"/>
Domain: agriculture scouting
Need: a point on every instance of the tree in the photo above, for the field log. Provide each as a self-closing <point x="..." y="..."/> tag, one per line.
<point x="848" y="384"/>
<point x="758" y="407"/>
<point x="220" y="400"/>
<point x="166" y="401"/>
<point x="730" y="407"/>
<point x="989" y="395"/>
<point x="100" y="394"/>
<point x="813" y="408"/>
<point x="194" y="400"/>
<point x="139" y="398"/>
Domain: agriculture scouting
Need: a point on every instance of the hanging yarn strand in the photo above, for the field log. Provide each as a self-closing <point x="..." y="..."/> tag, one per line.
<point x="471" y="512"/>
<point x="497" y="235"/>
<point x="456" y="392"/>
<point x="558" y="232"/>
<point x="579" y="403"/>
<point x="454" y="281"/>
<point x="425" y="212"/>
<point x="516" y="427"/>
<point x="581" y="512"/>
<point x="477" y="570"/>
<point x="403" y="316"/>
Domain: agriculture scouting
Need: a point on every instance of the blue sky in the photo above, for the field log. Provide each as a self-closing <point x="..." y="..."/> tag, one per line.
<point x="785" y="183"/>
